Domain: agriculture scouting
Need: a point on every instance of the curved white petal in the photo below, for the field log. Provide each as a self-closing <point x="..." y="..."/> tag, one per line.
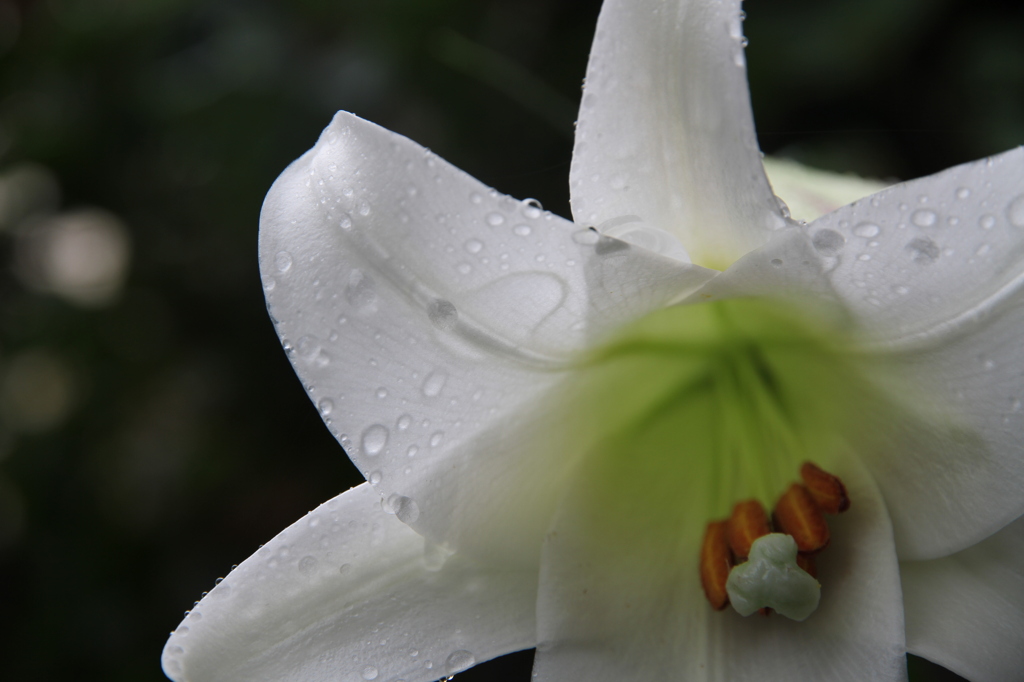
<point x="622" y="609"/>
<point x="966" y="611"/>
<point x="421" y="308"/>
<point x="934" y="268"/>
<point x="665" y="138"/>
<point x="810" y="193"/>
<point x="350" y="593"/>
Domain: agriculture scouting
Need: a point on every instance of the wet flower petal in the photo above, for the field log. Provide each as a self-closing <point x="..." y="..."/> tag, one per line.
<point x="348" y="592"/>
<point x="659" y="147"/>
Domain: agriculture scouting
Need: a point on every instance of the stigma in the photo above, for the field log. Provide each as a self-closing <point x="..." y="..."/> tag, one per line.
<point x="759" y="564"/>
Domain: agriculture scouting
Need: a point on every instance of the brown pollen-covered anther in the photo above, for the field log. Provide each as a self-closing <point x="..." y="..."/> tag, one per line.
<point x="715" y="564"/>
<point x="799" y="513"/>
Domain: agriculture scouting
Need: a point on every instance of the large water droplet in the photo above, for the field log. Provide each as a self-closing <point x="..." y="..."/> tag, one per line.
<point x="867" y="230"/>
<point x="1015" y="212"/>
<point x="443" y="314"/>
<point x="374" y="439"/>
<point x="828" y="242"/>
<point x="405" y="508"/>
<point x="924" y="217"/>
<point x="433" y="384"/>
<point x="923" y="250"/>
<point x="283" y="261"/>
<point x="531" y="208"/>
<point x="459" y="660"/>
<point x="360" y="292"/>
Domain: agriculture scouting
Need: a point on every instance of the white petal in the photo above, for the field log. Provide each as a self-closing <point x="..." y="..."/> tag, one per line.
<point x="966" y="611"/>
<point x="810" y="193"/>
<point x="636" y="612"/>
<point x="349" y="593"/>
<point x="665" y="138"/>
<point x="934" y="269"/>
<point x="422" y="309"/>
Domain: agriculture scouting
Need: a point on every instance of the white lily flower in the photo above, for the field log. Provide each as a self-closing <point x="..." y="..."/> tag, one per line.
<point x="551" y="417"/>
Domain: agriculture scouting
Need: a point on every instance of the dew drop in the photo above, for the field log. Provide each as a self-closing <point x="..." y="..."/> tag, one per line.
<point x="464" y="268"/>
<point x="923" y="250"/>
<point x="370" y="673"/>
<point x="412" y="451"/>
<point x="586" y="237"/>
<point x="269" y="284"/>
<point x="375" y="477"/>
<point x="776" y="262"/>
<point x="443" y="314"/>
<point x="522" y="230"/>
<point x="1015" y="212"/>
<point x="459" y="660"/>
<point x="987" y="221"/>
<point x="382" y="393"/>
<point x="924" y="217"/>
<point x="307" y="564"/>
<point x="436" y="439"/>
<point x="345" y="569"/>
<point x="867" y="230"/>
<point x="494" y="219"/>
<point x="963" y="193"/>
<point x="405" y="508"/>
<point x="983" y="250"/>
<point x="346" y="222"/>
<point x="433" y="384"/>
<point x="326" y="406"/>
<point x="531" y="208"/>
<point x="404" y="422"/>
<point x="374" y="439"/>
<point x="828" y="242"/>
<point x="364" y="208"/>
<point x="475" y="198"/>
<point x="473" y="246"/>
<point x="359" y="291"/>
<point x="283" y="261"/>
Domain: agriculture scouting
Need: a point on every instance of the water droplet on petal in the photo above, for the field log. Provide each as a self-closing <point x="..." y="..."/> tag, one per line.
<point x="345" y="569"/>
<point x="307" y="564"/>
<point x="405" y="508"/>
<point x="326" y="406"/>
<point x="494" y="219"/>
<point x="828" y="242"/>
<point x="924" y="217"/>
<point x="473" y="246"/>
<point x="586" y="237"/>
<point x="963" y="193"/>
<point x="375" y="477"/>
<point x="433" y="384"/>
<point x="987" y="221"/>
<point x="923" y="250"/>
<point x="867" y="230"/>
<point x="443" y="314"/>
<point x="1015" y="212"/>
<point x="283" y="261"/>
<point x="436" y="439"/>
<point x="360" y="292"/>
<point x="521" y="230"/>
<point x="370" y="673"/>
<point x="404" y="422"/>
<point x="531" y="208"/>
<point x="346" y="222"/>
<point x="374" y="439"/>
<point x="459" y="660"/>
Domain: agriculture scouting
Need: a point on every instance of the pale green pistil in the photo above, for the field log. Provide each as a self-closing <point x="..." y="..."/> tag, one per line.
<point x="771" y="579"/>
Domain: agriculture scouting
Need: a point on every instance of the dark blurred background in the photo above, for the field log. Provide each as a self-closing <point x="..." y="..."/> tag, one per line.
<point x="152" y="433"/>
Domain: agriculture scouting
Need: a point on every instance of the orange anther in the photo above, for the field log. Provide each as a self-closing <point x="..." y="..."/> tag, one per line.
<point x="806" y="562"/>
<point x="748" y="522"/>
<point x="827" y="490"/>
<point x="796" y="514"/>
<point x="715" y="564"/>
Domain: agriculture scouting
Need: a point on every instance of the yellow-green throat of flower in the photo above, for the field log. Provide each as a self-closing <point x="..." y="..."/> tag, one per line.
<point x="701" y="417"/>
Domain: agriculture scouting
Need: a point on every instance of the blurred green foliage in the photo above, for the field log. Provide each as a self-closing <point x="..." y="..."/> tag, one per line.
<point x="173" y="437"/>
